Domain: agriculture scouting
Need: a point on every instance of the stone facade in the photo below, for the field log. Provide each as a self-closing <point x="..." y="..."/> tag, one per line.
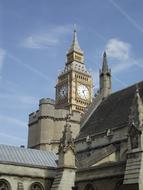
<point x="107" y="152"/>
<point x="112" y="157"/>
<point x="25" y="178"/>
<point x="74" y="88"/>
<point x="65" y="177"/>
<point x="47" y="124"/>
<point x="26" y="169"/>
<point x="74" y="92"/>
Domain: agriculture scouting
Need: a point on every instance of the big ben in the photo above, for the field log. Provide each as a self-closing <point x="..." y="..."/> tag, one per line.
<point x="74" y="88"/>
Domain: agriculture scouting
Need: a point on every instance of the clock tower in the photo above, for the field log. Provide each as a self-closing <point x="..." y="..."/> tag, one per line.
<point x="74" y="86"/>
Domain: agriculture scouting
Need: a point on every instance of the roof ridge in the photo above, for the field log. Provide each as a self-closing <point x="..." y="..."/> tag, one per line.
<point x="27" y="149"/>
<point x="130" y="86"/>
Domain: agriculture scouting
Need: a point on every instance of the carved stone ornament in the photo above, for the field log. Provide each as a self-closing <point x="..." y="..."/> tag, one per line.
<point x="134" y="134"/>
<point x="67" y="140"/>
<point x="88" y="139"/>
<point x="109" y="132"/>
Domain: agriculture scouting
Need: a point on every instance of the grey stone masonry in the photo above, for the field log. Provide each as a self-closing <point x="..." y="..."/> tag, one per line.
<point x="134" y="165"/>
<point x="105" y="78"/>
<point x="47" y="123"/>
<point x="65" y="177"/>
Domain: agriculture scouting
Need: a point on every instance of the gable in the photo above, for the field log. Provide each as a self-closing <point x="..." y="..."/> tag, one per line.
<point x="113" y="112"/>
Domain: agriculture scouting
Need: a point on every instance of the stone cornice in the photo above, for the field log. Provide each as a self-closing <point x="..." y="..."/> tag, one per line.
<point x="29" y="176"/>
<point x="102" y="133"/>
<point x="102" y="145"/>
<point x="52" y="118"/>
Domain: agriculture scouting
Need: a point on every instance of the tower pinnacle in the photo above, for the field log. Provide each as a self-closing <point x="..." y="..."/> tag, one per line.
<point x="75" y="53"/>
<point x="105" y="63"/>
<point x="105" y="78"/>
<point x="75" y="44"/>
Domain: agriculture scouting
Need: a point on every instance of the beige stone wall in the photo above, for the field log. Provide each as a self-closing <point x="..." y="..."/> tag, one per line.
<point x="47" y="124"/>
<point x="14" y="174"/>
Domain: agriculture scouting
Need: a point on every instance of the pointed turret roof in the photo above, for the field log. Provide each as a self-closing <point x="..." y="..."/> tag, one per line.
<point x="75" y="44"/>
<point x="105" y="63"/>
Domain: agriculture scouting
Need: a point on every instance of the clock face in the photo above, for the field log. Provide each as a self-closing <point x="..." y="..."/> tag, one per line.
<point x="83" y="92"/>
<point x="63" y="91"/>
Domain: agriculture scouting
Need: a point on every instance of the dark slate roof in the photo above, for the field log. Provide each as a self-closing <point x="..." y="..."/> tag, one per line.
<point x="27" y="157"/>
<point x="112" y="112"/>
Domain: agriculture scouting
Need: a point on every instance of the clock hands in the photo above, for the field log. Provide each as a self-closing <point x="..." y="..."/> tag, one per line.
<point x="84" y="93"/>
<point x="63" y="91"/>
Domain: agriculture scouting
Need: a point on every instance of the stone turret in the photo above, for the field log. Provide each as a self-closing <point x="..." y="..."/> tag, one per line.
<point x="105" y="78"/>
<point x="65" y="176"/>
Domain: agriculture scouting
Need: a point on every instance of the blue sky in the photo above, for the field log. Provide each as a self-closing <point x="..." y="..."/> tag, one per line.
<point x="34" y="38"/>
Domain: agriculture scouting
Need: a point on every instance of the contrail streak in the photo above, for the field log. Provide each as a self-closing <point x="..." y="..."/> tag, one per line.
<point x="120" y="81"/>
<point x="138" y="64"/>
<point x="28" y="67"/>
<point x="129" y="18"/>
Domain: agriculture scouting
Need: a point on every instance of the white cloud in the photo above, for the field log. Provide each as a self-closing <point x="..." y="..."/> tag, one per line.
<point x="2" y="56"/>
<point x="120" y="55"/>
<point x="118" y="49"/>
<point x="47" y="39"/>
<point x="127" y="16"/>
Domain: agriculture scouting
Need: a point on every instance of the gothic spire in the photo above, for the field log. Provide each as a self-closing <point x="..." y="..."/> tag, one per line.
<point x="75" y="44"/>
<point x="105" y="78"/>
<point x="105" y="63"/>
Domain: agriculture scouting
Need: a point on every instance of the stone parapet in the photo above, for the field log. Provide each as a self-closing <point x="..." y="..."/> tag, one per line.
<point x="46" y="101"/>
<point x="47" y="123"/>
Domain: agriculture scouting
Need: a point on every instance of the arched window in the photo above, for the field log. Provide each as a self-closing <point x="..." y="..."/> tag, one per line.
<point x="89" y="187"/>
<point x="36" y="186"/>
<point x="4" y="185"/>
